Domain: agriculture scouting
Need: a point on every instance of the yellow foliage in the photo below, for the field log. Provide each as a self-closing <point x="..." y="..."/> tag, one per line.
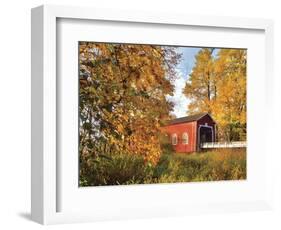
<point x="218" y="85"/>
<point x="124" y="100"/>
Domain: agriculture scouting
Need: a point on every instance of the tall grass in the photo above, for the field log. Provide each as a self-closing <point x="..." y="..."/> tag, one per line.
<point x="207" y="166"/>
<point x="224" y="164"/>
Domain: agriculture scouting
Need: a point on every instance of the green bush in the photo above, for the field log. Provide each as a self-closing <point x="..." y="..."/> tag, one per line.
<point x="115" y="170"/>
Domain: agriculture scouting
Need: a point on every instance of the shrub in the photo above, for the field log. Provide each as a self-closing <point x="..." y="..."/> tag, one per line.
<point x="115" y="170"/>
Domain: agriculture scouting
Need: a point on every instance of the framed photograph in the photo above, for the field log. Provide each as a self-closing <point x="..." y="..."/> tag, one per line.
<point x="141" y="114"/>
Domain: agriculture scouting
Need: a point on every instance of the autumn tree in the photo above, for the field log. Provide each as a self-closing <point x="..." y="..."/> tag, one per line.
<point x="217" y="85"/>
<point x="122" y="98"/>
<point x="201" y="87"/>
<point x="230" y="106"/>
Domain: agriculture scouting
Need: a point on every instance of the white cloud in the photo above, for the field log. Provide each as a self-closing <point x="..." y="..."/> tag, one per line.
<point x="181" y="102"/>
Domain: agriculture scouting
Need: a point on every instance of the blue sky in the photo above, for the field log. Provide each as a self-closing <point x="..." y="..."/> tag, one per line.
<point x="188" y="59"/>
<point x="183" y="69"/>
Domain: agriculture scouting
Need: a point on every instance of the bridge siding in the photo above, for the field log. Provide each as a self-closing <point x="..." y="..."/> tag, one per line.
<point x="191" y="128"/>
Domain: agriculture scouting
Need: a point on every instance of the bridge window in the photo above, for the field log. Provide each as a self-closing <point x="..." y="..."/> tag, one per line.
<point x="174" y="139"/>
<point x="185" y="138"/>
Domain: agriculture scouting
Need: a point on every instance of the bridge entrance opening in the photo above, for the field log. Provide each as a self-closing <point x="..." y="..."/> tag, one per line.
<point x="205" y="134"/>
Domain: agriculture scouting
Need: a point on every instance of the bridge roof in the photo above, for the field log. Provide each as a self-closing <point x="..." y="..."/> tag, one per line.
<point x="190" y="118"/>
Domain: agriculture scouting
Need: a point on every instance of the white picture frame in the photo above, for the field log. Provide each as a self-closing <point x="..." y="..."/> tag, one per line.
<point x="45" y="90"/>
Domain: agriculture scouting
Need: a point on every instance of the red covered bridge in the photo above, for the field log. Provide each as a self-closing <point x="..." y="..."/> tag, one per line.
<point x="188" y="133"/>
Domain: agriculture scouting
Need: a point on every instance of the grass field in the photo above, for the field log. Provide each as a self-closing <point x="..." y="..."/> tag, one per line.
<point x="223" y="164"/>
